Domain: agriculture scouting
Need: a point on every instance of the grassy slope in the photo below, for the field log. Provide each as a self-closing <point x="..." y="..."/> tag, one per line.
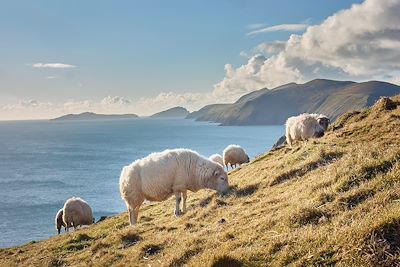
<point x="335" y="200"/>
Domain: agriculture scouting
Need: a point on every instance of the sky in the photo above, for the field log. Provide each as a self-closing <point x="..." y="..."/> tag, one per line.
<point x="59" y="57"/>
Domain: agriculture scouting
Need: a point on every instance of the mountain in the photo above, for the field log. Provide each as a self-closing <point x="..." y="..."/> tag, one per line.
<point x="176" y="112"/>
<point x="274" y="106"/>
<point x="94" y="116"/>
<point x="333" y="201"/>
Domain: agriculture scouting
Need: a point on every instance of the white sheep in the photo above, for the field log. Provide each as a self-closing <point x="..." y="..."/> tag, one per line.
<point x="160" y="175"/>
<point x="59" y="221"/>
<point x="217" y="158"/>
<point x="302" y="128"/>
<point x="322" y="120"/>
<point x="77" y="212"/>
<point x="234" y="154"/>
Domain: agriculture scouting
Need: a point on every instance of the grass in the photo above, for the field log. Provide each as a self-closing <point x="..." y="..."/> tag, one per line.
<point x="332" y="201"/>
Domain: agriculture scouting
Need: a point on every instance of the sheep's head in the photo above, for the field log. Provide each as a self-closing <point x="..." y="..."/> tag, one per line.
<point x="312" y="127"/>
<point x="323" y="122"/>
<point x="219" y="179"/>
<point x="59" y="221"/>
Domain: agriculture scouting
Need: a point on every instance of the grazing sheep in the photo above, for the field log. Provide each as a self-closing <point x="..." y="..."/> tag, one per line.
<point x="322" y="120"/>
<point x="302" y="128"/>
<point x="59" y="221"/>
<point x="160" y="175"/>
<point x="234" y="154"/>
<point x="77" y="212"/>
<point x="217" y="158"/>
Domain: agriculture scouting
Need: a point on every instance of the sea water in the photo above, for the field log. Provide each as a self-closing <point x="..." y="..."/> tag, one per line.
<point x="43" y="163"/>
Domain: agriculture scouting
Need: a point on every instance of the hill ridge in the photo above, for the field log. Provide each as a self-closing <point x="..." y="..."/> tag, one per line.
<point x="273" y="106"/>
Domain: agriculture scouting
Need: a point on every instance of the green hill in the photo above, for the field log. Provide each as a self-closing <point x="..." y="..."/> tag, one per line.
<point x="330" y="201"/>
<point x="274" y="106"/>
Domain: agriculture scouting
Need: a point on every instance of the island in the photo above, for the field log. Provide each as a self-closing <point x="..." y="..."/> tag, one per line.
<point x="94" y="116"/>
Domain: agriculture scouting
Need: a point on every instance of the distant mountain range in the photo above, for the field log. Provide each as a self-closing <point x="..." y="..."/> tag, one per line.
<point x="274" y="106"/>
<point x="95" y="116"/>
<point x="176" y="112"/>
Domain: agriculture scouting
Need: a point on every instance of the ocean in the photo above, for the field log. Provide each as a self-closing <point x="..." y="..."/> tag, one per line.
<point x="43" y="163"/>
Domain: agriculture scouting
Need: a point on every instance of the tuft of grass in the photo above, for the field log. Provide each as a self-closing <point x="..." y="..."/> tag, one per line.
<point x="226" y="261"/>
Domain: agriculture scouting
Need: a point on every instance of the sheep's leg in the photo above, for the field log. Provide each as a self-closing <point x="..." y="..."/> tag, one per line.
<point x="289" y="141"/>
<point x="133" y="215"/>
<point x="178" y="203"/>
<point x="184" y="195"/>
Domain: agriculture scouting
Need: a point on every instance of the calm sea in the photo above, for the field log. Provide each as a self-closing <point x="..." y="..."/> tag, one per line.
<point x="43" y="163"/>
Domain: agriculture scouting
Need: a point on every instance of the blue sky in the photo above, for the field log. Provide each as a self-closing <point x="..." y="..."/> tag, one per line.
<point x="135" y="50"/>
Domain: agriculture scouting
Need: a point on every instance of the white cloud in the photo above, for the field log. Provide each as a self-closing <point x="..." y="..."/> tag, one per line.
<point x="281" y="27"/>
<point x="53" y="65"/>
<point x="115" y="100"/>
<point x="362" y="42"/>
<point x="255" y="26"/>
<point x="270" y="48"/>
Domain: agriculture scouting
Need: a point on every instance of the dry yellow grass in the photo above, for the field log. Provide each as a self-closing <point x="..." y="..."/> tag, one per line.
<point x="333" y="201"/>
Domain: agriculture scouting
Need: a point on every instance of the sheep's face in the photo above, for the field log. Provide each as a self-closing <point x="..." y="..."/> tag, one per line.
<point x="324" y="122"/>
<point x="219" y="180"/>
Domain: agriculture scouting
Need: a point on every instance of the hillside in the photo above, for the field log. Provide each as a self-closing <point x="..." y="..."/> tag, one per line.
<point x="94" y="116"/>
<point x="176" y="112"/>
<point x="268" y="107"/>
<point x="331" y="201"/>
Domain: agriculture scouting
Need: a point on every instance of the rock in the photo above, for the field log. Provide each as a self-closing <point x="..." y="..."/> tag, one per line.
<point x="102" y="218"/>
<point x="281" y="142"/>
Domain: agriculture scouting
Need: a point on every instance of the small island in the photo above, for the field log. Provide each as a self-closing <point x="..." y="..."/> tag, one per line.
<point x="176" y="112"/>
<point x="94" y="116"/>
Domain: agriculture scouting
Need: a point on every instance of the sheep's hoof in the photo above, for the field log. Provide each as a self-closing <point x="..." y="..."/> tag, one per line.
<point x="178" y="213"/>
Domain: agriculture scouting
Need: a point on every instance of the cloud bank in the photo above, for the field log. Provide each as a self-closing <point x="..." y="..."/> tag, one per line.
<point x="362" y="42"/>
<point x="53" y="65"/>
<point x="282" y="27"/>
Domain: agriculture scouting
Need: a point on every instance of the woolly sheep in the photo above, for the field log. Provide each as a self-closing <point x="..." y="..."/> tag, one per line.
<point x="234" y="154"/>
<point x="160" y="175"/>
<point x="217" y="158"/>
<point x="59" y="221"/>
<point x="302" y="128"/>
<point x="77" y="212"/>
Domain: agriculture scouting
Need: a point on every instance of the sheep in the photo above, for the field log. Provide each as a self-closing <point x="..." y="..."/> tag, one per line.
<point x="59" y="221"/>
<point x="160" y="175"/>
<point x="322" y="120"/>
<point x="234" y="154"/>
<point x="77" y="212"/>
<point x="302" y="128"/>
<point x="217" y="158"/>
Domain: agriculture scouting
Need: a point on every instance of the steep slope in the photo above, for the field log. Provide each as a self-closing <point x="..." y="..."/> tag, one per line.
<point x="274" y="106"/>
<point x="176" y="112"/>
<point x="94" y="116"/>
<point x="331" y="201"/>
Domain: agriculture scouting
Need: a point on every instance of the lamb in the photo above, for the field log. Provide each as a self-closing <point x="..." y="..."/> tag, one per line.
<point x="59" y="221"/>
<point x="234" y="154"/>
<point x="302" y="128"/>
<point x="217" y="158"/>
<point x="77" y="212"/>
<point x="160" y="175"/>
